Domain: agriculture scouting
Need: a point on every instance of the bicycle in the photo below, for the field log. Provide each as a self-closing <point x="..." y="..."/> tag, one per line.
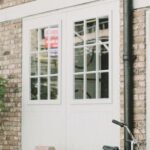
<point x="134" y="142"/>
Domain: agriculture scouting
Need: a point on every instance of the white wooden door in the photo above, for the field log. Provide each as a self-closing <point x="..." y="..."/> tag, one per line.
<point x="77" y="114"/>
<point x="43" y="111"/>
<point x="93" y="38"/>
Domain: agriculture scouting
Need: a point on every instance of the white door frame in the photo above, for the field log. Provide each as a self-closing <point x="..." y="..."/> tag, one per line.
<point x="148" y="79"/>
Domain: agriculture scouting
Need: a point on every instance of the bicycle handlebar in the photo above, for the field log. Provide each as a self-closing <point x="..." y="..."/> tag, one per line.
<point x="105" y="147"/>
<point x="119" y="123"/>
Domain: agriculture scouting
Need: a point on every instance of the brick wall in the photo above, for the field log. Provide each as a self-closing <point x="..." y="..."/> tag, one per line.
<point x="139" y="50"/>
<point x="9" y="3"/>
<point x="10" y="68"/>
<point x="139" y="91"/>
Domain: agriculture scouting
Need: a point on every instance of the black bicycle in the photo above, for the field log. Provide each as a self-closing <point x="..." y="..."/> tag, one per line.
<point x="134" y="142"/>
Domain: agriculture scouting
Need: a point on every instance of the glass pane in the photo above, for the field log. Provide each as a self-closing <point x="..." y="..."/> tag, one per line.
<point x="91" y="58"/>
<point x="43" y="88"/>
<point x="91" y="31"/>
<point x="79" y="33"/>
<point x="34" y="88"/>
<point x="103" y="58"/>
<point x="79" y="59"/>
<point x="51" y="36"/>
<point x="43" y="63"/>
<point x="43" y="41"/>
<point x="104" y="85"/>
<point x="91" y="86"/>
<point x="53" y="87"/>
<point x="34" y="64"/>
<point x="34" y="40"/>
<point x="79" y="87"/>
<point x="103" y="29"/>
<point x="54" y="64"/>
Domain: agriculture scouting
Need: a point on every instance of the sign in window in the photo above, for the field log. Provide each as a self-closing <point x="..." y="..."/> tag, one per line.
<point x="44" y="63"/>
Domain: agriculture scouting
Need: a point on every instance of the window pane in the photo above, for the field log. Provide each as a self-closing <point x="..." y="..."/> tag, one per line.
<point x="79" y="33"/>
<point x="34" y="64"/>
<point x="43" y="63"/>
<point x="43" y="88"/>
<point x="79" y="59"/>
<point x="103" y="58"/>
<point x="91" y="58"/>
<point x="79" y="86"/>
<point x="34" y="40"/>
<point x="53" y="87"/>
<point x="34" y="88"/>
<point x="42" y="39"/>
<point x="54" y="64"/>
<point x="91" y="31"/>
<point x="91" y="86"/>
<point x="104" y="85"/>
<point x="103" y="29"/>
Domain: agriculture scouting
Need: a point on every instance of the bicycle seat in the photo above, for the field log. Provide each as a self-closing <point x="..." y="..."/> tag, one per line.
<point x="105" y="147"/>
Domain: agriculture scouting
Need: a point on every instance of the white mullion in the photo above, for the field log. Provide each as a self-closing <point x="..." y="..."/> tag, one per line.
<point x="104" y="71"/>
<point x="30" y="77"/>
<point x="49" y="65"/>
<point x="110" y="53"/>
<point x="58" y="60"/>
<point x="79" y="73"/>
<point x="38" y="55"/>
<point x="85" y="66"/>
<point x="100" y="71"/>
<point x="97" y="58"/>
<point x="74" y="57"/>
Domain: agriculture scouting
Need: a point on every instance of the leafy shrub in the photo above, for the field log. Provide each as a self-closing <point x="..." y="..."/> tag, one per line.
<point x="3" y="89"/>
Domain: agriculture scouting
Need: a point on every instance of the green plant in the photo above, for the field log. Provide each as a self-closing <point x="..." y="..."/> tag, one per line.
<point x="3" y="89"/>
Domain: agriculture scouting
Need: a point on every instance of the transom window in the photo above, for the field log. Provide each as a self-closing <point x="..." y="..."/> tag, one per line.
<point x="44" y="63"/>
<point x="91" y="58"/>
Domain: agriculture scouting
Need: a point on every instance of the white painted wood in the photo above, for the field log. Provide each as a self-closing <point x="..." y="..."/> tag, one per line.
<point x="42" y="123"/>
<point x="141" y="3"/>
<point x="68" y="126"/>
<point x="148" y="79"/>
<point x="40" y="6"/>
<point x="89" y="123"/>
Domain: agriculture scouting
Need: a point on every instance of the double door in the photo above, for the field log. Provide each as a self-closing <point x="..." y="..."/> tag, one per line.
<point x="71" y="78"/>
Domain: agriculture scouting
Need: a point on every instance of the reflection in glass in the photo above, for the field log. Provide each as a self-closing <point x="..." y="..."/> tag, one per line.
<point x="79" y="33"/>
<point x="34" y="64"/>
<point x="104" y="85"/>
<point x="78" y="87"/>
<point x="54" y="64"/>
<point x="91" y="86"/>
<point x="103" y="58"/>
<point x="54" y="87"/>
<point x="34" y="88"/>
<point x="43" y="88"/>
<point x="103" y="29"/>
<point x="43" y="63"/>
<point x="43" y="41"/>
<point x="91" y="58"/>
<point x="91" y="31"/>
<point x="34" y="39"/>
<point x="79" y="59"/>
